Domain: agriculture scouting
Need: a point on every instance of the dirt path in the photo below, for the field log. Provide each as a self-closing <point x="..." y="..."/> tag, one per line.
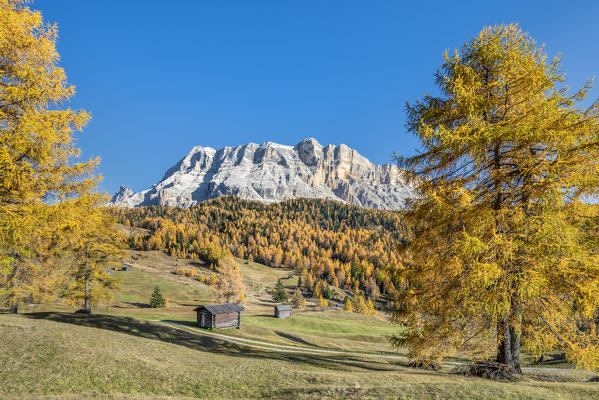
<point x="256" y="344"/>
<point x="275" y="347"/>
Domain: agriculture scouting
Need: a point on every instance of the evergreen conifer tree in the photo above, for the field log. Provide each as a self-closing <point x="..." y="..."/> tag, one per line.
<point x="157" y="300"/>
<point x="280" y="294"/>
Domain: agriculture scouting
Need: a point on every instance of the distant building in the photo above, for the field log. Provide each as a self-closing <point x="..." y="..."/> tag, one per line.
<point x="126" y="268"/>
<point x="283" y="311"/>
<point x="218" y="316"/>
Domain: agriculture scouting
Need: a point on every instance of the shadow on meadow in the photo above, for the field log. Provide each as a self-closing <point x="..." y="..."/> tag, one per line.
<point x="148" y="330"/>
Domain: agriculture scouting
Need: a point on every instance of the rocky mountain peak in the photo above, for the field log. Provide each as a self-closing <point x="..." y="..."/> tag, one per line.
<point x="121" y="195"/>
<point x="273" y="172"/>
<point x="309" y="151"/>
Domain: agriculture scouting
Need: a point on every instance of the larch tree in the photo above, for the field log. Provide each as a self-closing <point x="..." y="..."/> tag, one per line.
<point x="501" y="257"/>
<point x="95" y="247"/>
<point x="228" y="283"/>
<point x="298" y="299"/>
<point x="37" y="148"/>
<point x="347" y="305"/>
<point x="29" y="268"/>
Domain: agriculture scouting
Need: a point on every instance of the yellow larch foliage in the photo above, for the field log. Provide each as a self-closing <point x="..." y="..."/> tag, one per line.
<point x="322" y="302"/>
<point x="37" y="151"/>
<point x="228" y="284"/>
<point x="502" y="255"/>
<point x="347" y="306"/>
<point x="95" y="247"/>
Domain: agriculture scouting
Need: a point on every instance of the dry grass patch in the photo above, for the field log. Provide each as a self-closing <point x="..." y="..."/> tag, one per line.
<point x="102" y="356"/>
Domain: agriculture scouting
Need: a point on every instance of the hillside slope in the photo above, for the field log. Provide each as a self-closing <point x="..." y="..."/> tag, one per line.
<point x="76" y="356"/>
<point x="345" y="246"/>
<point x="311" y="326"/>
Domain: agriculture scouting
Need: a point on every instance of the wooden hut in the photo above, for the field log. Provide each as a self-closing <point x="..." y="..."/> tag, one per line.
<point x="283" y="311"/>
<point x="217" y="316"/>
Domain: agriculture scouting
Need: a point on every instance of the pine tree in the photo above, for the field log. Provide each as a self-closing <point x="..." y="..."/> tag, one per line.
<point x="157" y="300"/>
<point x="280" y="294"/>
<point x="326" y="290"/>
<point x="499" y="255"/>
<point x="37" y="151"/>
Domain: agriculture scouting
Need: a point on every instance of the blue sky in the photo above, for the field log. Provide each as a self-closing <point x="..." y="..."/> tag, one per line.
<point x="161" y="77"/>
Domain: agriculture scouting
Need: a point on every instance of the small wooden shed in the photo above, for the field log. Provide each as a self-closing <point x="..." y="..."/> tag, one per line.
<point x="217" y="316"/>
<point x="283" y="311"/>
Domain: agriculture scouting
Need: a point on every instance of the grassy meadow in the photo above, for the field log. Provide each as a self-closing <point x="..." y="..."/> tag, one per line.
<point x="330" y="328"/>
<point x="120" y="351"/>
<point x="65" y="355"/>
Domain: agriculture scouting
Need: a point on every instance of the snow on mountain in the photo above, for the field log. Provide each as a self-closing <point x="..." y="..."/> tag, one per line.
<point x="273" y="172"/>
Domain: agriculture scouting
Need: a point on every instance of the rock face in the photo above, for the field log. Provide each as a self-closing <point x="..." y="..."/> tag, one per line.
<point x="272" y="172"/>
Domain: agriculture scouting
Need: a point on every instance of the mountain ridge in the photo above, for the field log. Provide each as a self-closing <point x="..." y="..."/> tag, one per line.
<point x="271" y="172"/>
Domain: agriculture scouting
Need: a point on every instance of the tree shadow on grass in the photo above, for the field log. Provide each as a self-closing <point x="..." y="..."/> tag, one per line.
<point x="153" y="331"/>
<point x="296" y="339"/>
<point x="136" y="304"/>
<point x="284" y="335"/>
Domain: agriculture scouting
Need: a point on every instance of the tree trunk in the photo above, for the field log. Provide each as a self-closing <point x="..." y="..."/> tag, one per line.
<point x="13" y="299"/>
<point x="504" y="346"/>
<point x="14" y="306"/>
<point x="508" y="347"/>
<point x="87" y="302"/>
<point x="515" y="342"/>
<point x="516" y="333"/>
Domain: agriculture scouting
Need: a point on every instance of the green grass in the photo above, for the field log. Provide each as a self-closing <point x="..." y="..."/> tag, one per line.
<point x="122" y="354"/>
<point x="328" y="329"/>
<point x="257" y="273"/>
<point x="331" y="322"/>
<point x="106" y="356"/>
<point x="335" y="329"/>
<point x="136" y="287"/>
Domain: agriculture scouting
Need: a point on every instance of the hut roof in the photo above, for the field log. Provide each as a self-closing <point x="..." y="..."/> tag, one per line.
<point x="283" y="308"/>
<point x="220" y="308"/>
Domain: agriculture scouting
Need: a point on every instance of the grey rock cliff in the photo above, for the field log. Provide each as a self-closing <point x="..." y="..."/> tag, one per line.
<point x="272" y="172"/>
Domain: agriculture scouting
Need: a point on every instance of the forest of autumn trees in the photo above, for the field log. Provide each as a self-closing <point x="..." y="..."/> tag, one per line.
<point x="345" y="246"/>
